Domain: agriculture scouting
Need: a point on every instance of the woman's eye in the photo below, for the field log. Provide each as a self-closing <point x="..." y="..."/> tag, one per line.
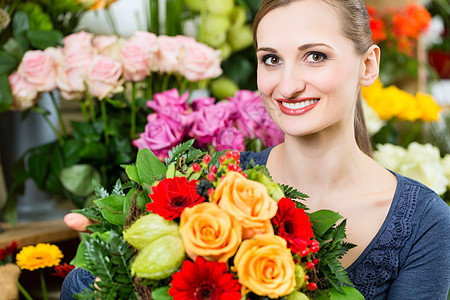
<point x="315" y="57"/>
<point x="271" y="60"/>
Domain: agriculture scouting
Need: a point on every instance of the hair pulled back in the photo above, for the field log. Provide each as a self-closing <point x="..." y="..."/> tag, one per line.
<point x="356" y="27"/>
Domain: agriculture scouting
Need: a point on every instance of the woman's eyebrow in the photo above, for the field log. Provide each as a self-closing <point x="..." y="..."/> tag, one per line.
<point x="312" y="45"/>
<point x="267" y="49"/>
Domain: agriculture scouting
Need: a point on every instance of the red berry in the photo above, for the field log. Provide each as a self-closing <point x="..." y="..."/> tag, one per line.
<point x="222" y="159"/>
<point x="236" y="155"/>
<point x="228" y="154"/>
<point x="314" y="249"/>
<point x="311" y="286"/>
<point x="210" y="191"/>
<point x="239" y="169"/>
<point x="306" y="277"/>
<point x="211" y="176"/>
<point x="315" y="261"/>
<point x="213" y="169"/>
<point x="206" y="159"/>
<point x="309" y="265"/>
<point x="314" y="243"/>
<point x="231" y="167"/>
<point x="245" y="175"/>
<point x="196" y="167"/>
<point x="304" y="252"/>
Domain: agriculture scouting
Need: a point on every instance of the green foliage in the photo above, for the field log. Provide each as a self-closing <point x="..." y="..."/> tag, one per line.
<point x="161" y="294"/>
<point x="178" y="152"/>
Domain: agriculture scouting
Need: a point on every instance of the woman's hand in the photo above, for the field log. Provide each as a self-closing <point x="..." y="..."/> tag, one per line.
<point x="77" y="222"/>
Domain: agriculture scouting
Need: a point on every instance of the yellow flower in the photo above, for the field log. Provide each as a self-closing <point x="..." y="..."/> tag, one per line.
<point x="430" y="109"/>
<point x="39" y="256"/>
<point x="411" y="110"/>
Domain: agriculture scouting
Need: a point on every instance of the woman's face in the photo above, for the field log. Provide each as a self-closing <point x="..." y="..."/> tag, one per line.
<point x="308" y="71"/>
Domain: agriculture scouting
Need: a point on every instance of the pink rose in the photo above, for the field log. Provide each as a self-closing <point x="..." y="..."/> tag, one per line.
<point x="168" y="54"/>
<point x="249" y="110"/>
<point x="199" y="62"/>
<point x="78" y="42"/>
<point x="149" y="41"/>
<point x="158" y="137"/>
<point x="198" y="103"/>
<point x="70" y="82"/>
<point x="208" y="121"/>
<point x="103" y="77"/>
<point x="269" y="133"/>
<point x="169" y="98"/>
<point x="108" y="45"/>
<point x="135" y="61"/>
<point x="24" y="93"/>
<point x="39" y="68"/>
<point x="229" y="138"/>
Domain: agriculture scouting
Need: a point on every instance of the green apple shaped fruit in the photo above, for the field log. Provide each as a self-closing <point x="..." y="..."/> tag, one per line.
<point x="160" y="259"/>
<point x="148" y="228"/>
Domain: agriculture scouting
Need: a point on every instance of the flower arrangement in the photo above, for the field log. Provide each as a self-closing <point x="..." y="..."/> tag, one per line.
<point x="197" y="226"/>
<point x="235" y="123"/>
<point x="397" y="33"/>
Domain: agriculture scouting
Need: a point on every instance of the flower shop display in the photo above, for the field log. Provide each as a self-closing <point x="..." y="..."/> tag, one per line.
<point x="197" y="225"/>
<point x="397" y="32"/>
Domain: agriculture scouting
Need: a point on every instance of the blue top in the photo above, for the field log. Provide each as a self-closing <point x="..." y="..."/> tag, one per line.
<point x="409" y="258"/>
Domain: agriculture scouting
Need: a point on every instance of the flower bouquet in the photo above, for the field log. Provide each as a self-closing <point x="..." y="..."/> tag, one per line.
<point x="200" y="227"/>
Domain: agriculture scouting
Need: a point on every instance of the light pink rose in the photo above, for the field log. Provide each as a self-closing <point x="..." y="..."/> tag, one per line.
<point x="229" y="138"/>
<point x="135" y="61"/>
<point x="168" y="54"/>
<point x="103" y="77"/>
<point x="108" y="45"/>
<point x="249" y="110"/>
<point x="208" y="121"/>
<point x="71" y="82"/>
<point x="158" y="137"/>
<point x="78" y="42"/>
<point x="269" y="133"/>
<point x="39" y="68"/>
<point x="149" y="41"/>
<point x="185" y="41"/>
<point x="169" y="98"/>
<point x="199" y="62"/>
<point x="24" y="93"/>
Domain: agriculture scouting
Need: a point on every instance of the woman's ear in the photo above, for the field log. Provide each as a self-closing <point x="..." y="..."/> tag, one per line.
<point x="371" y="66"/>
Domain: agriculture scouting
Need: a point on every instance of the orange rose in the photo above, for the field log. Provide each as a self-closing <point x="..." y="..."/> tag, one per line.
<point x="247" y="201"/>
<point x="265" y="266"/>
<point x="210" y="232"/>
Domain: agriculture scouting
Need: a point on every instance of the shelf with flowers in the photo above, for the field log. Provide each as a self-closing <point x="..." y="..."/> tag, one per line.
<point x="132" y="90"/>
<point x="197" y="224"/>
<point x="410" y="135"/>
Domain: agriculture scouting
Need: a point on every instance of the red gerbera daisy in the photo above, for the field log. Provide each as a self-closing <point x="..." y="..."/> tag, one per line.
<point x="62" y="270"/>
<point x="293" y="225"/>
<point x="172" y="195"/>
<point x="204" y="280"/>
<point x="10" y="249"/>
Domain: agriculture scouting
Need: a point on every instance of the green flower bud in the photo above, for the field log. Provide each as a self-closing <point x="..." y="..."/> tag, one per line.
<point x="296" y="295"/>
<point x="223" y="87"/>
<point x="238" y="16"/>
<point x="299" y="277"/>
<point x="215" y="30"/>
<point x="219" y="7"/>
<point x="195" y="5"/>
<point x="160" y="259"/>
<point x="215" y="40"/>
<point x="240" y="38"/>
<point x="225" y="50"/>
<point x="273" y="188"/>
<point x="38" y="19"/>
<point x="148" y="228"/>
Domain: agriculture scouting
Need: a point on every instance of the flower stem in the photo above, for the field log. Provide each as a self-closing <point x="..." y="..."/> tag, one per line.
<point x="23" y="291"/>
<point x="149" y="90"/>
<point x="110" y="19"/>
<point x="105" y="121"/>
<point x="44" y="288"/>
<point x="154" y="17"/>
<point x="412" y="134"/>
<point x="165" y="83"/>
<point x="58" y="135"/>
<point x="60" y="119"/>
<point x="133" y="110"/>
<point x="91" y="107"/>
<point x="84" y="111"/>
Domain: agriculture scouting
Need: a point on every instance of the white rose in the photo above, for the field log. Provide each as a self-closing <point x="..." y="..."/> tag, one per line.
<point x="446" y="166"/>
<point x="390" y="156"/>
<point x="429" y="173"/>
<point x="373" y="121"/>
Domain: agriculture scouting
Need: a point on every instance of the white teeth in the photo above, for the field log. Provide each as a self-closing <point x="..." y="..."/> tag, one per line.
<point x="299" y="105"/>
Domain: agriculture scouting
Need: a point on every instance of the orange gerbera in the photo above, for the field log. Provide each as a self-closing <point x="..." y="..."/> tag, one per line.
<point x="39" y="256"/>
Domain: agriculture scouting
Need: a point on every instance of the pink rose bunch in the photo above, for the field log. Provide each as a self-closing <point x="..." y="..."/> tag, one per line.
<point x="224" y="125"/>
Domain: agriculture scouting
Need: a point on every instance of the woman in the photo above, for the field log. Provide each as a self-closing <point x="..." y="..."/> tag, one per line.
<point x="314" y="56"/>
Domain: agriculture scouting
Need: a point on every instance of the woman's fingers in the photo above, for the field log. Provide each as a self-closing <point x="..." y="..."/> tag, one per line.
<point x="77" y="222"/>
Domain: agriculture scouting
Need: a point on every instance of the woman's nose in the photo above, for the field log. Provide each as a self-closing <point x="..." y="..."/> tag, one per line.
<point x="292" y="82"/>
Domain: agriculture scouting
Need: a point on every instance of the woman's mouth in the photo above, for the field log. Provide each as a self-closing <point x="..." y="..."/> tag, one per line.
<point x="297" y="107"/>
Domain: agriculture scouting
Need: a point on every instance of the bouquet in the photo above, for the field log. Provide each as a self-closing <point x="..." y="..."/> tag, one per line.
<point x="199" y="226"/>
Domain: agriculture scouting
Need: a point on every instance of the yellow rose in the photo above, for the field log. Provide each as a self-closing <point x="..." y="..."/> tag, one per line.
<point x="210" y="232"/>
<point x="428" y="106"/>
<point x="247" y="201"/>
<point x="265" y="266"/>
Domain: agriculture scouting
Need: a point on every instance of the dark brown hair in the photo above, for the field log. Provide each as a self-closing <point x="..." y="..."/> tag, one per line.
<point x="356" y="27"/>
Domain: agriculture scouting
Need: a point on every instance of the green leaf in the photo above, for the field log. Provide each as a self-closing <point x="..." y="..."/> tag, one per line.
<point x="78" y="179"/>
<point x="178" y="151"/>
<point x="170" y="171"/>
<point x="350" y="293"/>
<point x="42" y="39"/>
<point x="323" y="220"/>
<point x="112" y="208"/>
<point x="99" y="190"/>
<point x="8" y="63"/>
<point x="20" y="22"/>
<point x="38" y="165"/>
<point x="161" y="293"/>
<point x="6" y="97"/>
<point x="132" y="173"/>
<point x="149" y="166"/>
